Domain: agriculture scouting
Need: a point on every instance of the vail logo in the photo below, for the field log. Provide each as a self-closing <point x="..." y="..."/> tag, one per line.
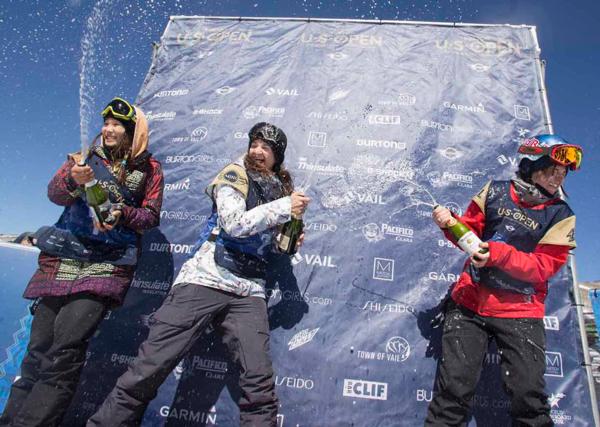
<point x="281" y="92"/>
<point x="365" y="198"/>
<point x="317" y="139"/>
<point x="383" y="269"/>
<point x="314" y="259"/>
<point x="505" y="160"/>
<point x="555" y="398"/>
<point x="303" y="337"/>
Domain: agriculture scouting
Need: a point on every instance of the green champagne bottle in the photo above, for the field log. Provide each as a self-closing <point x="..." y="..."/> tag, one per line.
<point x="465" y="238"/>
<point x="99" y="204"/>
<point x="287" y="239"/>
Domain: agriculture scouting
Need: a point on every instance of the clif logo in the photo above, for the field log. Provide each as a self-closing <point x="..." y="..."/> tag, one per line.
<point x="365" y="389"/>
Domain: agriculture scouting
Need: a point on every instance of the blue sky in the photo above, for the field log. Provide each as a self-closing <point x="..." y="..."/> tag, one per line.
<point x="40" y="50"/>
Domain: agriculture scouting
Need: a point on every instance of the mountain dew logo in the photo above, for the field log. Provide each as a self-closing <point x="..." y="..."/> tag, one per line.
<point x="14" y="355"/>
<point x="301" y="338"/>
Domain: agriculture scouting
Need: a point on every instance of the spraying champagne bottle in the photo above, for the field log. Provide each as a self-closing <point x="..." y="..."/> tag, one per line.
<point x="465" y="238"/>
<point x="287" y="239"/>
<point x="99" y="204"/>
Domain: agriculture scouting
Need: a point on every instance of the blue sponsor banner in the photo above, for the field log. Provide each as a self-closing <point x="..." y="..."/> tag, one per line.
<point x="383" y="121"/>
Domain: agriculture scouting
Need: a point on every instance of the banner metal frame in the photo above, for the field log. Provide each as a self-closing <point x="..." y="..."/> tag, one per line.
<point x="540" y="71"/>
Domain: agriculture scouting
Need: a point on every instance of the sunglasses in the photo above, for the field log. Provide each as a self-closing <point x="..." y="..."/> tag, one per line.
<point x="565" y="155"/>
<point x="120" y="109"/>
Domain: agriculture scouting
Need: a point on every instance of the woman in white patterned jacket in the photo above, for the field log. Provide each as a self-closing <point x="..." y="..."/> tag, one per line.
<point x="225" y="278"/>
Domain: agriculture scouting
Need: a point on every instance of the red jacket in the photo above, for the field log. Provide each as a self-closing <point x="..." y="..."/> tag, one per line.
<point x="535" y="267"/>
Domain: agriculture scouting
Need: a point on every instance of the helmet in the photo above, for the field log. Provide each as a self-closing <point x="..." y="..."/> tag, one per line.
<point x="273" y="136"/>
<point x="535" y="154"/>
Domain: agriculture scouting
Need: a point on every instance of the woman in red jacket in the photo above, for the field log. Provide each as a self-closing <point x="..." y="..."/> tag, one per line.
<point x="527" y="232"/>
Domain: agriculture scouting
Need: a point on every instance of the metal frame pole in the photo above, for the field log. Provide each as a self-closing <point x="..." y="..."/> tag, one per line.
<point x="358" y="21"/>
<point x="587" y="363"/>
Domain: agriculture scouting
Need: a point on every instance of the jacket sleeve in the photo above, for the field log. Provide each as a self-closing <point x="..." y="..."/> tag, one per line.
<point x="148" y="214"/>
<point x="535" y="267"/>
<point x="62" y="188"/>
<point x="239" y="222"/>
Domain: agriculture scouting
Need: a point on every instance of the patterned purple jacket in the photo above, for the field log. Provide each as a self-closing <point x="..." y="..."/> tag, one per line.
<point x="59" y="276"/>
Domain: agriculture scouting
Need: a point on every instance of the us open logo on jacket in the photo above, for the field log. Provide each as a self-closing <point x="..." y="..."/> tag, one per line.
<point x="363" y="389"/>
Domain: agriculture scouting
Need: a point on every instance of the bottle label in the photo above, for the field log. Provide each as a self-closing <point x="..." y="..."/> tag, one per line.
<point x="284" y="242"/>
<point x="469" y="243"/>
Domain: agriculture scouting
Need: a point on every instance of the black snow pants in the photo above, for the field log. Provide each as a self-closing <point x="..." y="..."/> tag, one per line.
<point x="521" y="344"/>
<point x="60" y="333"/>
<point x="174" y="327"/>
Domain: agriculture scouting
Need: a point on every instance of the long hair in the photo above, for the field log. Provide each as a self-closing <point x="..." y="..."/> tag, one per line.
<point x="282" y="173"/>
<point x="118" y="156"/>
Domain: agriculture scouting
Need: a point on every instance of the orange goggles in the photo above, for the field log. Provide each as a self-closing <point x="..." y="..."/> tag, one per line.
<point x="565" y="155"/>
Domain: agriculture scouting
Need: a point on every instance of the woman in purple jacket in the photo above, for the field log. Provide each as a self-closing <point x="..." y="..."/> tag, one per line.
<point x="84" y="267"/>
